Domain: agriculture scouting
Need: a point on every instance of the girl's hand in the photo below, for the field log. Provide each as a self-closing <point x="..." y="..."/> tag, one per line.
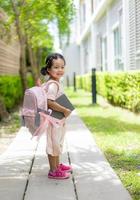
<point x="67" y="112"/>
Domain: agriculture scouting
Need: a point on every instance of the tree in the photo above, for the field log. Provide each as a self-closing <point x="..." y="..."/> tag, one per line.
<point x="31" y="19"/>
<point x="14" y="9"/>
<point x="65" y="13"/>
<point x="4" y="115"/>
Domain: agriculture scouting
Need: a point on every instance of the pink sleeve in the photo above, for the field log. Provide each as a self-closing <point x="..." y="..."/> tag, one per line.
<point x="52" y="91"/>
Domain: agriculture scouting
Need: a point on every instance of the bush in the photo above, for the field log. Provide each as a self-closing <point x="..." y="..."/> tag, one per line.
<point x="84" y="82"/>
<point x="30" y="80"/>
<point x="119" y="88"/>
<point x="11" y="91"/>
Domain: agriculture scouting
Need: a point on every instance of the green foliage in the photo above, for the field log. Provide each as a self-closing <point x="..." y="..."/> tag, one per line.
<point x="30" y="81"/>
<point x="10" y="90"/>
<point x="35" y="17"/>
<point x="65" y="12"/>
<point x="84" y="82"/>
<point x="120" y="88"/>
<point x="123" y="89"/>
<point x="5" y="27"/>
<point x="101" y="89"/>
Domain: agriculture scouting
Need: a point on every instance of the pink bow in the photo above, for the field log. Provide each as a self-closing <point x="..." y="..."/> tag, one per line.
<point x="47" y="119"/>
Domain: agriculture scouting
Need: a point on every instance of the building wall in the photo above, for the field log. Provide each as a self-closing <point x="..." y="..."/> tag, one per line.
<point x="101" y="31"/>
<point x="85" y="9"/>
<point x="113" y="35"/>
<point x="113" y="23"/>
<point x="71" y="54"/>
<point x="134" y="32"/>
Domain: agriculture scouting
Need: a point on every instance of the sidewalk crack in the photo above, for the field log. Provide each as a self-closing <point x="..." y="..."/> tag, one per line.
<point x="73" y="179"/>
<point x="27" y="182"/>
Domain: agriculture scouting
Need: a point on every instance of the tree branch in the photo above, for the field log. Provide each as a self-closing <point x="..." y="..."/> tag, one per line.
<point x="14" y="6"/>
<point x="22" y="3"/>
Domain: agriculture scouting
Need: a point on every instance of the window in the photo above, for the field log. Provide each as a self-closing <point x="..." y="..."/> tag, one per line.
<point x="117" y="49"/>
<point x="86" y="55"/>
<point x="82" y="15"/>
<point x="84" y="12"/>
<point x="137" y="17"/>
<point x="104" y="53"/>
<point x="92" y="6"/>
<point x="99" y="51"/>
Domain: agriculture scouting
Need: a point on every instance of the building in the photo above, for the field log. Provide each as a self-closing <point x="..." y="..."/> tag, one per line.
<point x="72" y="51"/>
<point x="109" y="35"/>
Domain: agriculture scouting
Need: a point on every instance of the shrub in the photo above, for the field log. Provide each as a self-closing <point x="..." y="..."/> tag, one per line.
<point x="11" y="91"/>
<point x="119" y="88"/>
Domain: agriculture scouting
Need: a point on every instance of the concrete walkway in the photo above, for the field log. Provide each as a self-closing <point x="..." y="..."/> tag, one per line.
<point x="24" y="168"/>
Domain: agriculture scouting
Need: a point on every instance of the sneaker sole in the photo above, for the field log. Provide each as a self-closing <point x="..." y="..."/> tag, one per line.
<point x="68" y="171"/>
<point x="59" y="178"/>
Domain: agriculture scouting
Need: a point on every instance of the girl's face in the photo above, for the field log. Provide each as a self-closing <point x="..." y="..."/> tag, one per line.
<point x="57" y="69"/>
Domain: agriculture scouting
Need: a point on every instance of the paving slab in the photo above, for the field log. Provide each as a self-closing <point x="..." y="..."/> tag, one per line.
<point x="93" y="175"/>
<point x="12" y="188"/>
<point x="40" y="187"/>
<point x="15" y="165"/>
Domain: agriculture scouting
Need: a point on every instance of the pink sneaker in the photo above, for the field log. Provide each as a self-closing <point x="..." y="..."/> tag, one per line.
<point x="58" y="174"/>
<point x="66" y="168"/>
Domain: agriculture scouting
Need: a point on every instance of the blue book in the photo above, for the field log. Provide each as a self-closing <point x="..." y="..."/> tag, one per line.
<point x="63" y="101"/>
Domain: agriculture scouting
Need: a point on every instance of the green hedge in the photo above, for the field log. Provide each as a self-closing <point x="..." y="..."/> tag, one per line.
<point x="119" y="88"/>
<point x="84" y="82"/>
<point x="11" y="91"/>
<point x="30" y="81"/>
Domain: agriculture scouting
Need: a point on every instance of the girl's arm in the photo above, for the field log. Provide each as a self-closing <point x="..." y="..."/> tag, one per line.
<point x="57" y="107"/>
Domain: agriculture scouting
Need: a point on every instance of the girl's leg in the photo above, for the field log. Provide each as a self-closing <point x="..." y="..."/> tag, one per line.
<point x="57" y="161"/>
<point x="55" y="172"/>
<point x="52" y="162"/>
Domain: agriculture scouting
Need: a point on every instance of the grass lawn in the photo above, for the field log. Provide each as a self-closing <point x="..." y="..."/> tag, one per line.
<point x="117" y="133"/>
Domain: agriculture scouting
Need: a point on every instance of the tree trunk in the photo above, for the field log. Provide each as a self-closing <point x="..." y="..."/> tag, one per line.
<point x="33" y="63"/>
<point x="60" y="40"/>
<point x="59" y="34"/>
<point x="35" y="53"/>
<point x="68" y="38"/>
<point x="23" y="70"/>
<point x="4" y="115"/>
<point x="39" y="56"/>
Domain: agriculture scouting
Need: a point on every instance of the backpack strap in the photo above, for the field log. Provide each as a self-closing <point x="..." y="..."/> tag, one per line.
<point x="37" y="116"/>
<point x="49" y="82"/>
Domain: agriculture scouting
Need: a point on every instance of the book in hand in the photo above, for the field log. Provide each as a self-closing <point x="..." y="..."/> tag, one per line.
<point x="63" y="101"/>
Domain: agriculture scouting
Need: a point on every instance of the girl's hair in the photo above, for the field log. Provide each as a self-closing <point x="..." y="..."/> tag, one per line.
<point x="49" y="62"/>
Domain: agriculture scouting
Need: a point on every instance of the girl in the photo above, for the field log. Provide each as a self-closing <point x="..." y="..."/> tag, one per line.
<point x="55" y="66"/>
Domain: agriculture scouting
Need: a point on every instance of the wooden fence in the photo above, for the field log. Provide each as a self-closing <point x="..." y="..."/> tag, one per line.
<point x="9" y="58"/>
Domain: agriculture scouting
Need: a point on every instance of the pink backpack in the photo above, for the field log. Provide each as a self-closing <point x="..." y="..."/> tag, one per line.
<point x="35" y="112"/>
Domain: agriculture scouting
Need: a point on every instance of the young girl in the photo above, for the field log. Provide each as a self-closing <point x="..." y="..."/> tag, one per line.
<point x="55" y="67"/>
